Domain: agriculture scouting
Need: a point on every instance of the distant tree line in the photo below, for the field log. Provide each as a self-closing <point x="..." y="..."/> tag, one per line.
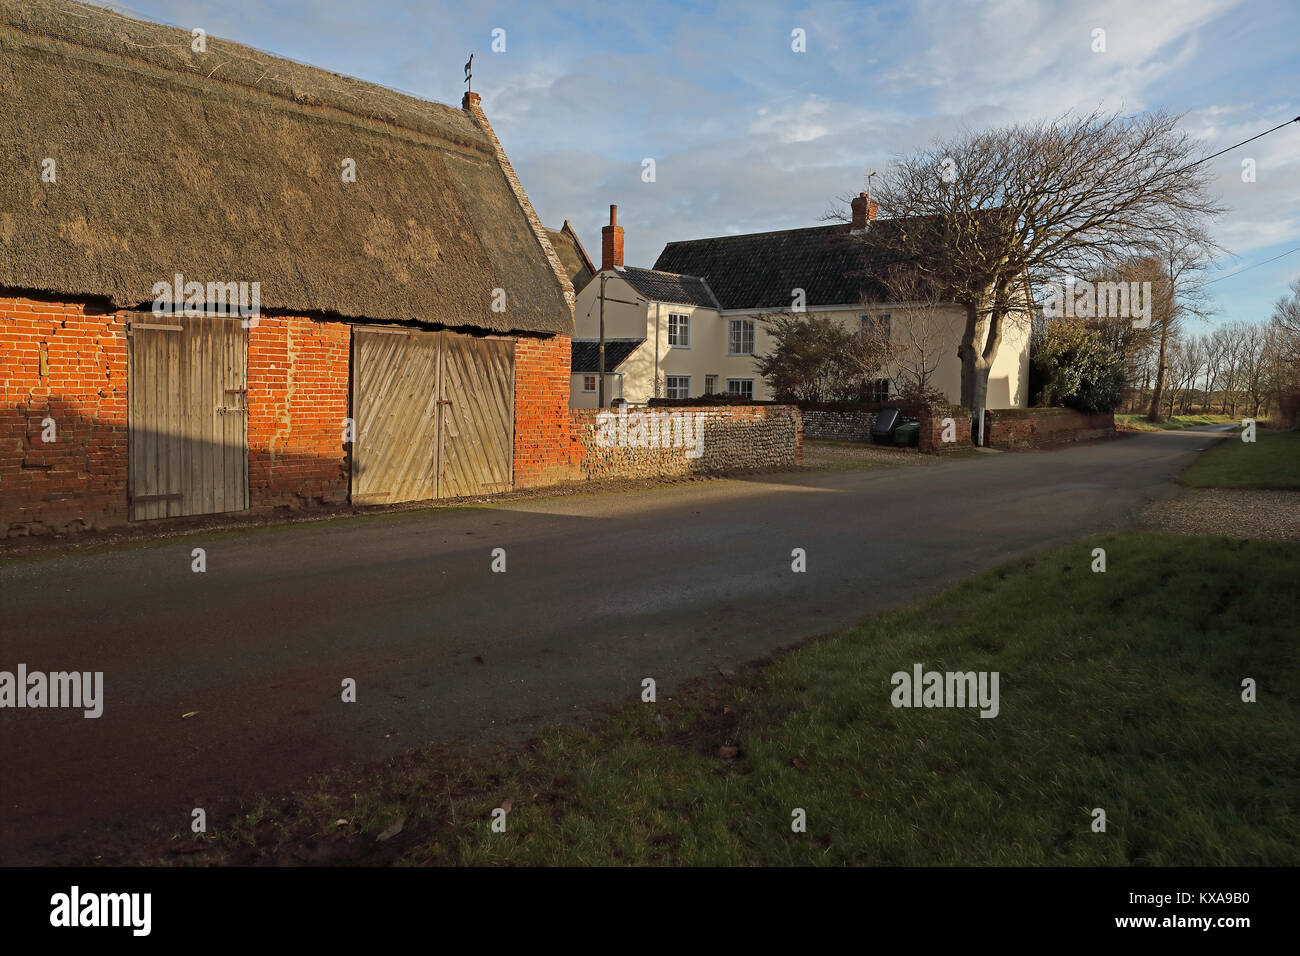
<point x="1235" y="368"/>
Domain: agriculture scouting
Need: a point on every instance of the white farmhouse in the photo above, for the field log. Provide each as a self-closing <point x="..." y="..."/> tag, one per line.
<point x="692" y="325"/>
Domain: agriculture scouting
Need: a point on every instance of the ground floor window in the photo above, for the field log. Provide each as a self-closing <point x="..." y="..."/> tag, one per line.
<point x="679" y="386"/>
<point x="878" y="390"/>
<point x="710" y="385"/>
<point x="741" y="387"/>
<point x="588" y="383"/>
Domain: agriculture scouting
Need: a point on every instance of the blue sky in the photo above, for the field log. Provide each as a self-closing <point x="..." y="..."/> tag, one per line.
<point x="748" y="135"/>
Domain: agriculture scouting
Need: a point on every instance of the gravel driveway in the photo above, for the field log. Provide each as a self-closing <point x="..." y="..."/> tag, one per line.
<point x="1234" y="512"/>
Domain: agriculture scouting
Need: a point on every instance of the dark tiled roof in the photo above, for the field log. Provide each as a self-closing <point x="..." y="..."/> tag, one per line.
<point x="572" y="255"/>
<point x="670" y="286"/>
<point x="761" y="270"/>
<point x="586" y="353"/>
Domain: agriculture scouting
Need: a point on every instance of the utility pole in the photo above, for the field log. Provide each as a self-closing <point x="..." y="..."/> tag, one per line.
<point x="600" y="398"/>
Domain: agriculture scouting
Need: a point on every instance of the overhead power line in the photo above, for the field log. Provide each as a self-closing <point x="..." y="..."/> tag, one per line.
<point x="1242" y="143"/>
<point x="1228" y="149"/>
<point x="1249" y="267"/>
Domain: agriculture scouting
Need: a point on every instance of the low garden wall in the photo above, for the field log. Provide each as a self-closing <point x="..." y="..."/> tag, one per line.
<point x="667" y="441"/>
<point x="943" y="427"/>
<point x="1038" y="427"/>
<point x="854" y="424"/>
<point x="838" y="425"/>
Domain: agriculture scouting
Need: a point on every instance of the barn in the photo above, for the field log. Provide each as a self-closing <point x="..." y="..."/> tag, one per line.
<point x="230" y="282"/>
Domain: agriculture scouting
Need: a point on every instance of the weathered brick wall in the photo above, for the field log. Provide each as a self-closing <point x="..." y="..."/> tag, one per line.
<point x="297" y="403"/>
<point x="68" y="362"/>
<point x="1036" y="427"/>
<point x="838" y="425"/>
<point x="933" y="423"/>
<point x="731" y="438"/>
<point x="544" y="452"/>
<point x="65" y="362"/>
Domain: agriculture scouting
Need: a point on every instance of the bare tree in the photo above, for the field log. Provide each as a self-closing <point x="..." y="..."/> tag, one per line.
<point x="1286" y="311"/>
<point x="1183" y="256"/>
<point x="1134" y="344"/>
<point x="1232" y="336"/>
<point x="1255" y="355"/>
<point x="1193" y="363"/>
<point x="1177" y="370"/>
<point x="1219" y="371"/>
<point x="918" y="334"/>
<point x="1143" y="374"/>
<point x="988" y="215"/>
<point x="1285" y="322"/>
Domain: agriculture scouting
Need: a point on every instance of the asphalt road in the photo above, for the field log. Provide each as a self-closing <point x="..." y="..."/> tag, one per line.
<point x="599" y="592"/>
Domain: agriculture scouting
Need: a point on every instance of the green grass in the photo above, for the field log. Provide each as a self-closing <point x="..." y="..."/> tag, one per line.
<point x="1140" y="423"/>
<point x="1271" y="461"/>
<point x="1119" y="690"/>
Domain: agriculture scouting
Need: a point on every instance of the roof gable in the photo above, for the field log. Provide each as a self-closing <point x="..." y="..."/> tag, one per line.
<point x="586" y="354"/>
<point x="572" y="255"/>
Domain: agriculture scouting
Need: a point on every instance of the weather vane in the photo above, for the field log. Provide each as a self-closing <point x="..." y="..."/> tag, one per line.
<point x="468" y="75"/>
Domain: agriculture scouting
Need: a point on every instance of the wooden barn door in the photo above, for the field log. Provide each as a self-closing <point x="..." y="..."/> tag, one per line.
<point x="394" y="388"/>
<point x="188" y="416"/>
<point x="476" y="407"/>
<point x="434" y="415"/>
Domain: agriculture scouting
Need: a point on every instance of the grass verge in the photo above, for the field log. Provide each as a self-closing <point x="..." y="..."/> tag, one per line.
<point x="1119" y="690"/>
<point x="1140" y="423"/>
<point x="1271" y="461"/>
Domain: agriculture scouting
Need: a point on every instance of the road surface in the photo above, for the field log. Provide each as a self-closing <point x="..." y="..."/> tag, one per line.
<point x="598" y="593"/>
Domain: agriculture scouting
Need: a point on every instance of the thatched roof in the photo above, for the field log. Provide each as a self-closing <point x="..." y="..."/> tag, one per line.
<point x="577" y="264"/>
<point x="226" y="166"/>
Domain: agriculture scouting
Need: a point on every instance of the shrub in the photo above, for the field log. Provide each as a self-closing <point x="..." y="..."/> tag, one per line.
<point x="911" y="398"/>
<point x="815" y="359"/>
<point x="1075" y="366"/>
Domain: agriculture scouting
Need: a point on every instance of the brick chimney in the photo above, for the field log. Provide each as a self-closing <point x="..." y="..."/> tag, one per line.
<point x="611" y="242"/>
<point x="864" y="210"/>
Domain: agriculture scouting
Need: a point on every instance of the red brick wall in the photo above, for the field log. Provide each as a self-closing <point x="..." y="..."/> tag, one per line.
<point x="931" y="419"/>
<point x="297" y="400"/>
<point x="66" y="362"/>
<point x="69" y="362"/>
<point x="545" y="450"/>
<point x="1034" y="427"/>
